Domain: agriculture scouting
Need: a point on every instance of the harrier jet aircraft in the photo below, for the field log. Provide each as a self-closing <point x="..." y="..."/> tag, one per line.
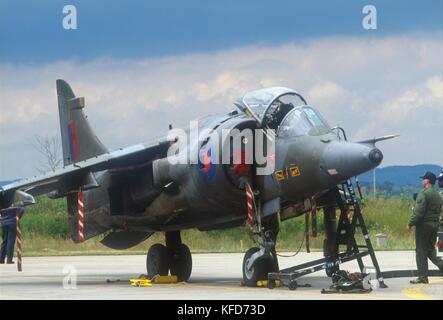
<point x="130" y="193"/>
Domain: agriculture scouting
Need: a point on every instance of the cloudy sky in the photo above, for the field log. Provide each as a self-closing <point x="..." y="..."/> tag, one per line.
<point x="142" y="65"/>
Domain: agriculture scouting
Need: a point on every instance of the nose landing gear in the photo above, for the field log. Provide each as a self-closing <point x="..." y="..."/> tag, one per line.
<point x="258" y="269"/>
<point x="258" y="262"/>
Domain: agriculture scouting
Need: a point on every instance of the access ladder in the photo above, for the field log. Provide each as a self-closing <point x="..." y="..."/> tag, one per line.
<point x="350" y="220"/>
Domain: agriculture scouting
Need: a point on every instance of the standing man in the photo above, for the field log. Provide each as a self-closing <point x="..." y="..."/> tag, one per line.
<point x="425" y="218"/>
<point x="9" y="228"/>
<point x="440" y="184"/>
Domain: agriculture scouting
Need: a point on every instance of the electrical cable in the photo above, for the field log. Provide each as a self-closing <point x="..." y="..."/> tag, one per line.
<point x="298" y="250"/>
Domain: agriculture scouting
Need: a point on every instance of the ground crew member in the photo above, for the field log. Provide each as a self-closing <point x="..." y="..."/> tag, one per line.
<point x="425" y="218"/>
<point x="9" y="228"/>
<point x="440" y="184"/>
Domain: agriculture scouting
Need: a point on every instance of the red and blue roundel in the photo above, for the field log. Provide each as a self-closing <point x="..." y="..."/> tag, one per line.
<point x="206" y="166"/>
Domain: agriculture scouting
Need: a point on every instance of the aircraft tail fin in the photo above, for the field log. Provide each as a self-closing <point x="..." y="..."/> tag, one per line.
<point x="79" y="141"/>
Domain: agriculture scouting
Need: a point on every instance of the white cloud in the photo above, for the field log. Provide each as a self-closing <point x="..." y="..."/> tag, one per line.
<point x="370" y="86"/>
<point x="325" y="92"/>
<point x="420" y="107"/>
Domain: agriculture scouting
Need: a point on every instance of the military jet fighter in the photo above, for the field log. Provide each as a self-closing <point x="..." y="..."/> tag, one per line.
<point x="130" y="193"/>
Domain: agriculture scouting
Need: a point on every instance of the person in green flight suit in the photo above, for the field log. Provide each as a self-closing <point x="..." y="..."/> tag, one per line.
<point x="425" y="219"/>
<point x="440" y="184"/>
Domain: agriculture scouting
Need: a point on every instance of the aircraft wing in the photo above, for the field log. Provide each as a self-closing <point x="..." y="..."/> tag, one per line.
<point x="78" y="175"/>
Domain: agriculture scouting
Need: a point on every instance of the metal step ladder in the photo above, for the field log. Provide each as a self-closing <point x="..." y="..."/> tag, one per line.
<point x="350" y="220"/>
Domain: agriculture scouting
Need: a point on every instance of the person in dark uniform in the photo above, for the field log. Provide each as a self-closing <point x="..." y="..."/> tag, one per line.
<point x="425" y="219"/>
<point x="9" y="228"/>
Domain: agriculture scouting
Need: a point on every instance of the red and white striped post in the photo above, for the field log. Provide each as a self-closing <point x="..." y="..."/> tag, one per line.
<point x="19" y="241"/>
<point x="250" y="204"/>
<point x="81" y="217"/>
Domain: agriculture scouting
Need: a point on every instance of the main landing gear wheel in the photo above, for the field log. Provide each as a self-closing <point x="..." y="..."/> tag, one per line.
<point x="181" y="262"/>
<point x="162" y="259"/>
<point x="157" y="261"/>
<point x="259" y="270"/>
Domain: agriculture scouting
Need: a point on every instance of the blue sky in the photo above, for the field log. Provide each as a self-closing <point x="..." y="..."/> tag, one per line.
<point x="142" y="65"/>
<point x="31" y="31"/>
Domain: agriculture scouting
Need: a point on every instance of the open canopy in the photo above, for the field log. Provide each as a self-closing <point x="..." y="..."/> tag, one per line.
<point x="269" y="106"/>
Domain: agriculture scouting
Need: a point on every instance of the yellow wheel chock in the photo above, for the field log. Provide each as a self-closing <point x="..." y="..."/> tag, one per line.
<point x="264" y="283"/>
<point x="143" y="281"/>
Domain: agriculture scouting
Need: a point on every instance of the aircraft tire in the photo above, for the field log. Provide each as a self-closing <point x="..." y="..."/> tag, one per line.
<point x="157" y="261"/>
<point x="181" y="263"/>
<point x="259" y="271"/>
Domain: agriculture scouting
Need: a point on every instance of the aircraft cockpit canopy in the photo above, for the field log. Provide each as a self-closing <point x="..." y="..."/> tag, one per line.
<point x="283" y="110"/>
<point x="269" y="106"/>
<point x="301" y="121"/>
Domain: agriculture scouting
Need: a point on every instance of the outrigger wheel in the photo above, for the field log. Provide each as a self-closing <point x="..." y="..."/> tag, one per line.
<point x="259" y="271"/>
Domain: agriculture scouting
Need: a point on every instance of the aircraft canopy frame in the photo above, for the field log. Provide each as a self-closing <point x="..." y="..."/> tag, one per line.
<point x="258" y="103"/>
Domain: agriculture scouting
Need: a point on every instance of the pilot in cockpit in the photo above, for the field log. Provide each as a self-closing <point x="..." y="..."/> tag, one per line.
<point x="280" y="112"/>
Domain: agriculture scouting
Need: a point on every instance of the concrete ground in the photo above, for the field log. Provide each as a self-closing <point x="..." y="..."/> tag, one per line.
<point x="214" y="276"/>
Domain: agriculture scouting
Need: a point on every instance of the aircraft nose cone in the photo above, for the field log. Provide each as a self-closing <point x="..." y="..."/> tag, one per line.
<point x="342" y="160"/>
<point x="375" y="156"/>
